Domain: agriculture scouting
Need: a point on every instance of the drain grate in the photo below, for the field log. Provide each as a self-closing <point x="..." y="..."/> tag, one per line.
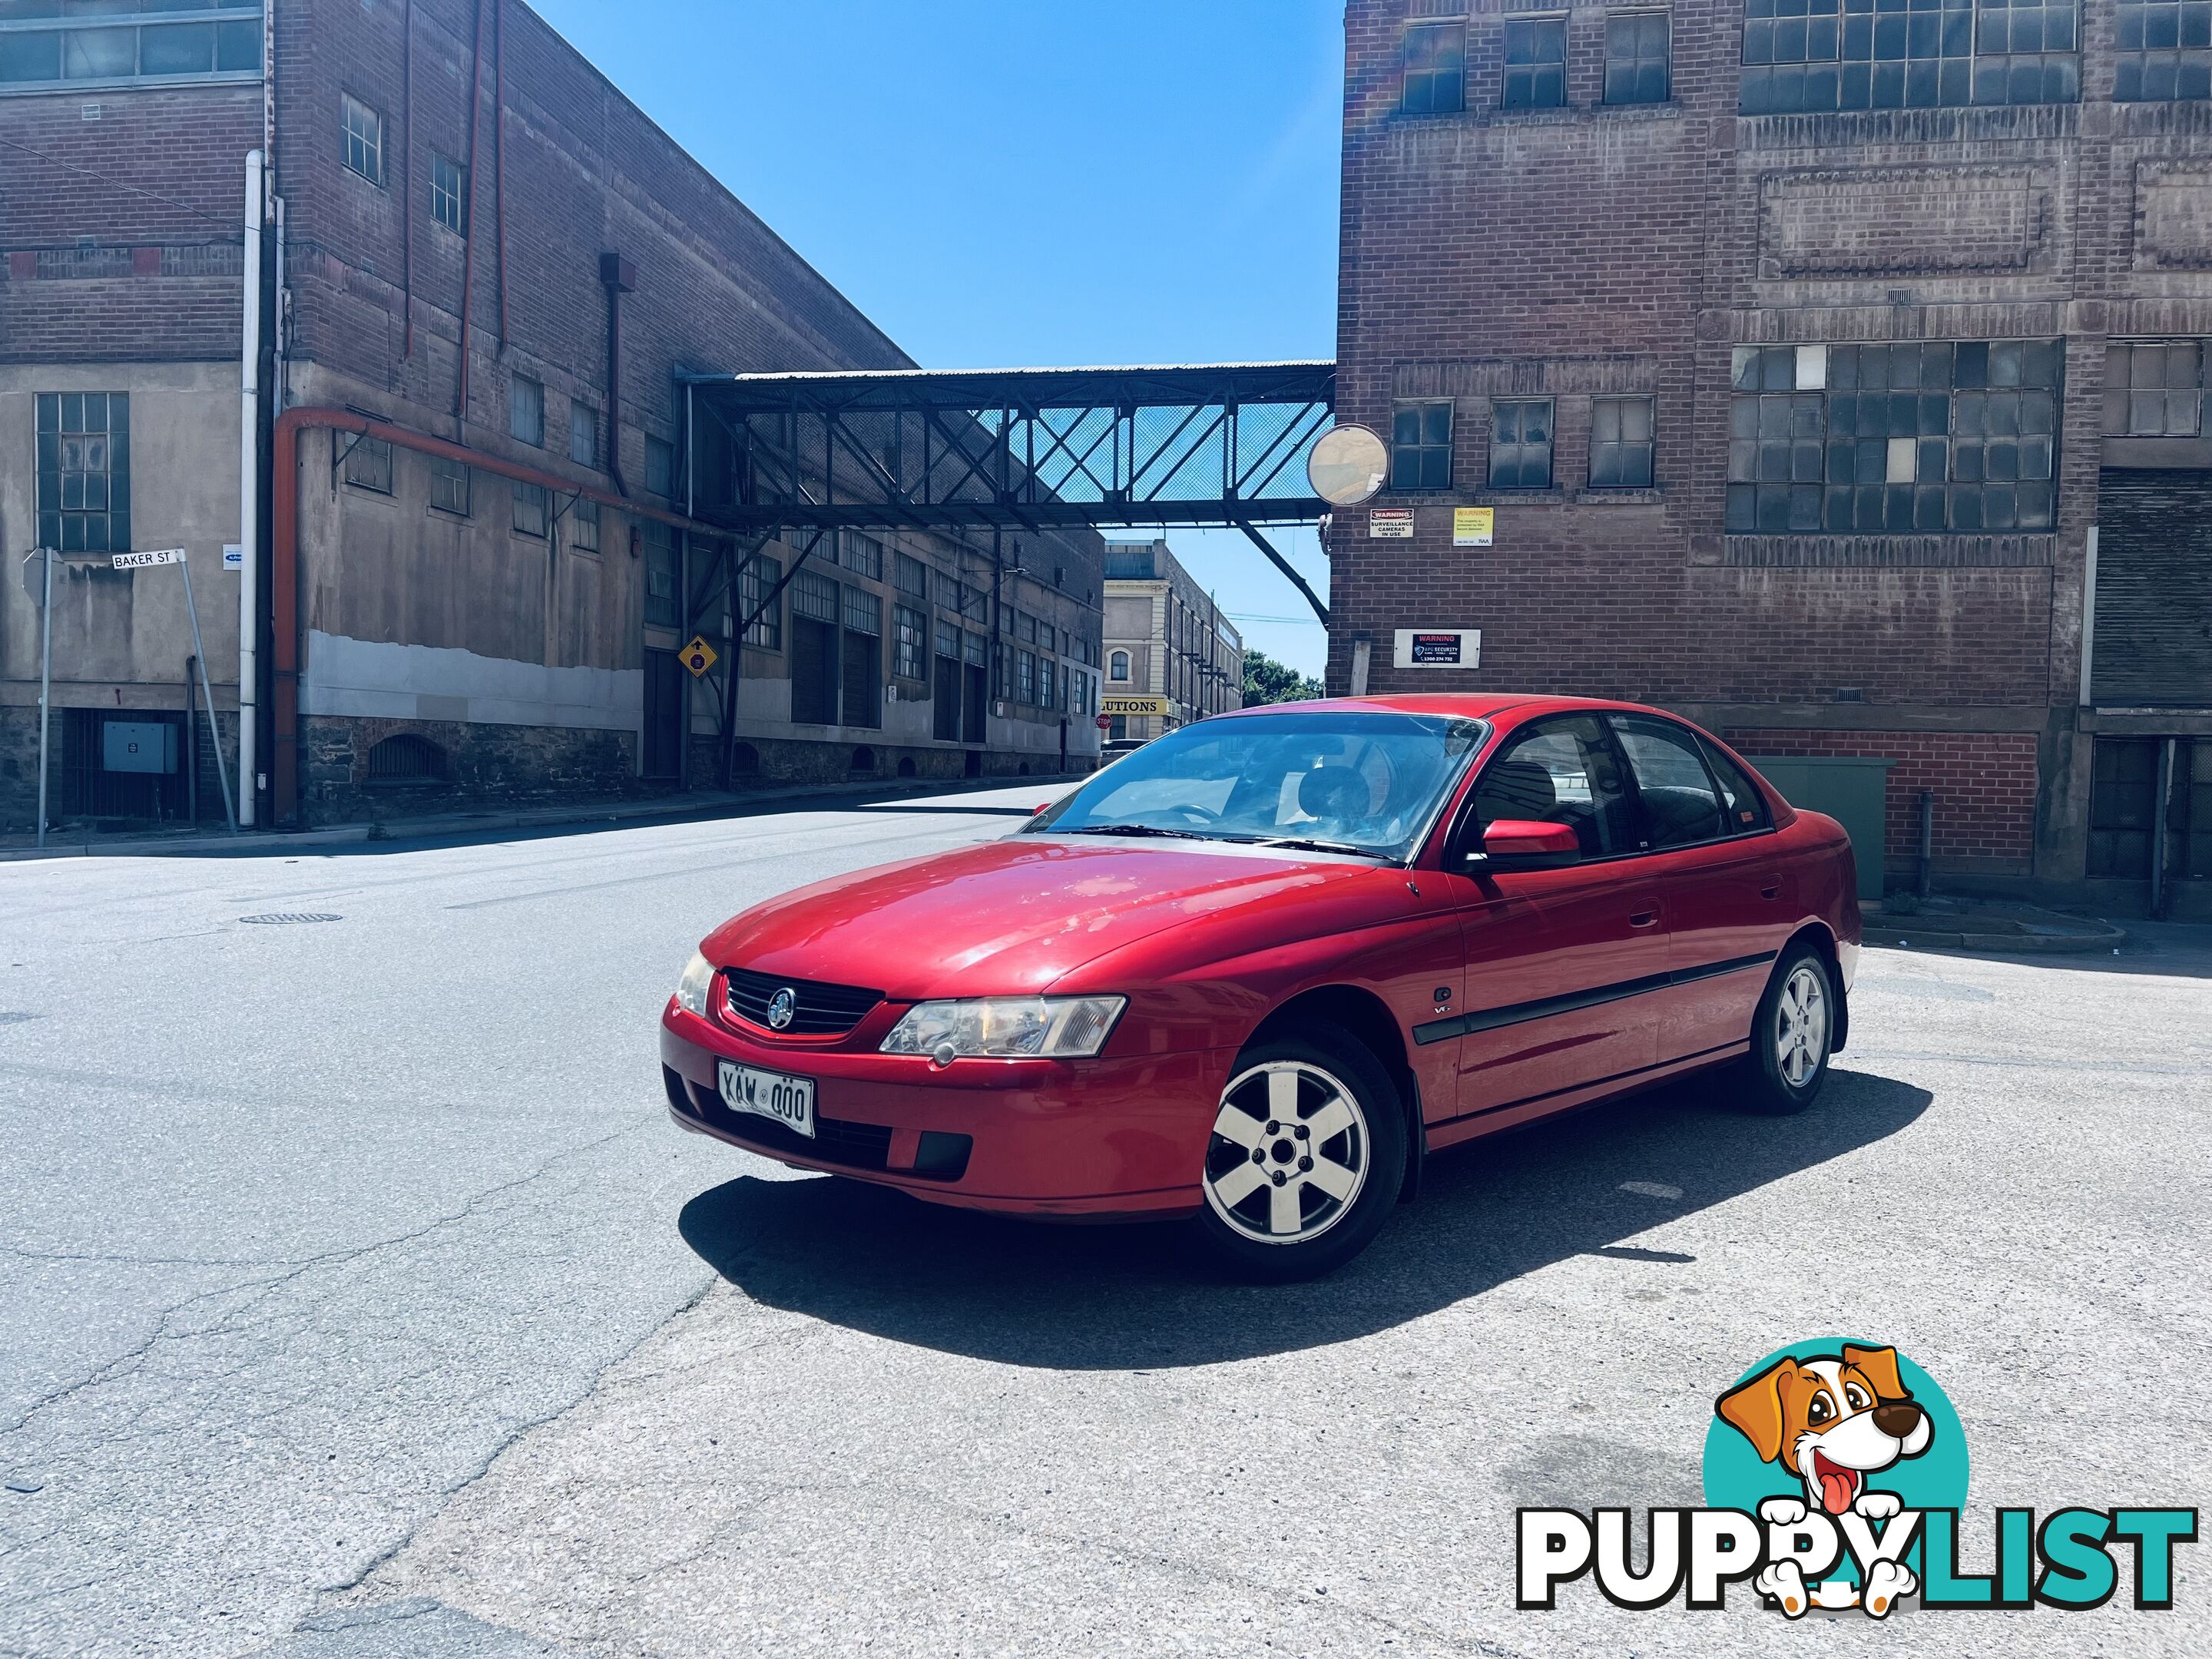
<point x="286" y="918"/>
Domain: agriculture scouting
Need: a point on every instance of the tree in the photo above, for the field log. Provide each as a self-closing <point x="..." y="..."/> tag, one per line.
<point x="1266" y="680"/>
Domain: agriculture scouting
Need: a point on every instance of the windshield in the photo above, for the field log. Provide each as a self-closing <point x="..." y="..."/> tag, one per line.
<point x="1355" y="781"/>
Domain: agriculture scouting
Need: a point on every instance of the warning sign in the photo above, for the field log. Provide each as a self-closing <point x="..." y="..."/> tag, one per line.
<point x="699" y="656"/>
<point x="1438" y="647"/>
<point x="1390" y="524"/>
<point x="1473" y="527"/>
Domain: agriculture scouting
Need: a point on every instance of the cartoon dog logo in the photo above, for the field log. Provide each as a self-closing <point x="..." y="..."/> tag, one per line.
<point x="1831" y="1421"/>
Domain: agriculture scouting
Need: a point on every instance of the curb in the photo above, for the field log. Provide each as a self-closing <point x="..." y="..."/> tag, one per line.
<point x="1879" y="934"/>
<point x="717" y="805"/>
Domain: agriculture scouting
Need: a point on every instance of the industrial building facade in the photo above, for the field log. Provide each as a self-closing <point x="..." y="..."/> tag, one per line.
<point x="488" y="277"/>
<point x="1165" y="639"/>
<point x="1834" y="374"/>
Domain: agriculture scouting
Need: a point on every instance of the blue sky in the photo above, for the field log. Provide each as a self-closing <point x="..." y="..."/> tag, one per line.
<point x="1048" y="181"/>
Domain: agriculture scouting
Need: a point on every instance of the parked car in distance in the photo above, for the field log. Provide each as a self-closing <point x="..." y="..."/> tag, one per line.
<point x="1255" y="973"/>
<point x="1115" y="748"/>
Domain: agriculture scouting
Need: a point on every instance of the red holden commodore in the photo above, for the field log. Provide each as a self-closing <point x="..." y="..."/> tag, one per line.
<point x="1252" y="973"/>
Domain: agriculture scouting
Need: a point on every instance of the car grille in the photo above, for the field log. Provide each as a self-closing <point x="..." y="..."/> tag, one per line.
<point x="824" y="1010"/>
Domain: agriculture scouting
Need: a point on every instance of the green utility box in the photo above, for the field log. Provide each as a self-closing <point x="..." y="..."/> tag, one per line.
<point x="1852" y="789"/>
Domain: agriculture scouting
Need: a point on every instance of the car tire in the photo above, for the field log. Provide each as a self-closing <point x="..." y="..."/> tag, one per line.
<point x="1307" y="1156"/>
<point x="1792" y="1035"/>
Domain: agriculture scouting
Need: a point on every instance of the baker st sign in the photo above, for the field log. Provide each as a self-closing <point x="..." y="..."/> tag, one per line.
<point x="1438" y="647"/>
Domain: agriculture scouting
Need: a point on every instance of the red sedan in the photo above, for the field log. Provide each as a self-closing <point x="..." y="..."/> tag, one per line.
<point x="1255" y="972"/>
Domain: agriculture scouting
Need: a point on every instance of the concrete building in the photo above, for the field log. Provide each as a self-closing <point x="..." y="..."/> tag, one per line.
<point x="488" y="274"/>
<point x="1835" y="377"/>
<point x="1165" y="638"/>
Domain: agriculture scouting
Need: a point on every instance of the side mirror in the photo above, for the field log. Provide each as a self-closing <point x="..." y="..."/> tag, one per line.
<point x="1527" y="840"/>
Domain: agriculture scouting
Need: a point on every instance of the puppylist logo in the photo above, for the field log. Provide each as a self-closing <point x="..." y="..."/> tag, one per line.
<point x="1835" y="1474"/>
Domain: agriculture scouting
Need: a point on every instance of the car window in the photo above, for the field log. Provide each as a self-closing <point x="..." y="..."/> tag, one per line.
<point x="1369" y="782"/>
<point x="1740" y="798"/>
<point x="1559" y="771"/>
<point x="1679" y="806"/>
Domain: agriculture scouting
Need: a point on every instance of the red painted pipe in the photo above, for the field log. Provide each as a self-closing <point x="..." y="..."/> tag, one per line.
<point x="284" y="558"/>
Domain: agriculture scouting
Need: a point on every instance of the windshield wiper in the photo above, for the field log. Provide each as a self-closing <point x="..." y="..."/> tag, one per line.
<point x="1308" y="844"/>
<point x="1129" y="830"/>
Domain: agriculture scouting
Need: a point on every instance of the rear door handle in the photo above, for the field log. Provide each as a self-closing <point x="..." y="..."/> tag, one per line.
<point x="1643" y="919"/>
<point x="1770" y="888"/>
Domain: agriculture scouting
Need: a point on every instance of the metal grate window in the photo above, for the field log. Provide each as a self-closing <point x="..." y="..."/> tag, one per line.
<point x="1421" y="446"/>
<point x="1806" y="55"/>
<point x="525" y="410"/>
<point x="449" y="191"/>
<point x="910" y="642"/>
<point x="449" y="486"/>
<point x="813" y="594"/>
<point x="761" y="576"/>
<point x="362" y="134"/>
<point x="1535" y="63"/>
<point x="1621" y="443"/>
<point x="2155" y="389"/>
<point x="1924" y="436"/>
<point x="1435" y="69"/>
<point x="1521" y="444"/>
<point x="84" y="472"/>
<point x="1637" y="54"/>
<point x="2165" y="51"/>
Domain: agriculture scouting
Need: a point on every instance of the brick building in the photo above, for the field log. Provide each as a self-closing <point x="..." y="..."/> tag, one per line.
<point x="1165" y="637"/>
<point x="489" y="275"/>
<point x="1836" y="375"/>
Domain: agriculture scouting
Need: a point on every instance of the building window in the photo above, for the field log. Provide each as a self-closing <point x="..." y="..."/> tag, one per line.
<point x="863" y="554"/>
<point x="1621" y="443"/>
<point x="1925" y="436"/>
<point x="910" y="642"/>
<point x="1637" y="54"/>
<point x="659" y="542"/>
<point x="660" y="466"/>
<point x="530" y="509"/>
<point x="1025" y="665"/>
<point x="583" y="434"/>
<point x="368" y="462"/>
<point x="525" y="410"/>
<point x="84" y="472"/>
<point x="761" y="575"/>
<point x="1521" y="444"/>
<point x="364" y="140"/>
<point x="92" y="49"/>
<point x="1535" y="63"/>
<point x="1118" y="669"/>
<point x="2154" y="390"/>
<point x="2166" y="50"/>
<point x="1421" y="446"/>
<point x="861" y="657"/>
<point x="449" y="486"/>
<point x="1803" y="55"/>
<point x="584" y="525"/>
<point x="448" y="191"/>
<point x="911" y="577"/>
<point x="1436" y="68"/>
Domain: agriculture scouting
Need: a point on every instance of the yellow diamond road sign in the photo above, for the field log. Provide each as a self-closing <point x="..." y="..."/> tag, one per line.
<point x="699" y="656"/>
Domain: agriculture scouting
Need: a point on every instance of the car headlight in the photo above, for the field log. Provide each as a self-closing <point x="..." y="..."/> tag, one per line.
<point x="1006" y="1027"/>
<point x="698" y="979"/>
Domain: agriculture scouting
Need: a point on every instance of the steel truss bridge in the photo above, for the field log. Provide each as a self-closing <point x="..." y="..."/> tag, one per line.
<point x="1028" y="451"/>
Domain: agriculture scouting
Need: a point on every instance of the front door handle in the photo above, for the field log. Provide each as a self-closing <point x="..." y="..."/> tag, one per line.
<point x="1644" y="919"/>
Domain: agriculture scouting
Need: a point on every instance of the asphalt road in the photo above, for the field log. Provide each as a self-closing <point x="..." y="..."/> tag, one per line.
<point x="357" y="1299"/>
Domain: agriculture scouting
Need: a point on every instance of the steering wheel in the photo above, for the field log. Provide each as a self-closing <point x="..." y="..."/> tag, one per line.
<point x="1202" y="816"/>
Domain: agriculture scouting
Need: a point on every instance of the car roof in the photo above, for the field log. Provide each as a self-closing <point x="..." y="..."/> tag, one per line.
<point x="1466" y="705"/>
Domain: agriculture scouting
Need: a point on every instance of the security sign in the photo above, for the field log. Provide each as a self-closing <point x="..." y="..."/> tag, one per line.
<point x="699" y="656"/>
<point x="1438" y="647"/>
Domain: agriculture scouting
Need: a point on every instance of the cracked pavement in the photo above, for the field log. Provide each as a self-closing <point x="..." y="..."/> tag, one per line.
<point x="362" y="1302"/>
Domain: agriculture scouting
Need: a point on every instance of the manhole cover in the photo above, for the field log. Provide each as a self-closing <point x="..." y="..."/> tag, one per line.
<point x="285" y="918"/>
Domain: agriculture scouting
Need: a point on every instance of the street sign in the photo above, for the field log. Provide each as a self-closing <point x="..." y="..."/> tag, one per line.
<point x="1474" y="527"/>
<point x="1438" y="647"/>
<point x="699" y="656"/>
<point x="1105" y="722"/>
<point x="142" y="560"/>
<point x="1391" y="524"/>
<point x="1134" y="706"/>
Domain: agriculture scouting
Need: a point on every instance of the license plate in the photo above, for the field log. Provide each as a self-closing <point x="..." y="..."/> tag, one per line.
<point x="772" y="1094"/>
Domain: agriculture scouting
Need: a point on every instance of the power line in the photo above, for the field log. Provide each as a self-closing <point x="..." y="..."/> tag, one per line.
<point x="109" y="179"/>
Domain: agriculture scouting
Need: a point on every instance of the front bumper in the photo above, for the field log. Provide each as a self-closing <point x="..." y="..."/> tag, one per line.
<point x="1094" y="1139"/>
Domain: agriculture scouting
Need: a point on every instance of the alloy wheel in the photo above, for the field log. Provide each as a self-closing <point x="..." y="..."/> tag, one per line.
<point x="1800" y="1025"/>
<point x="1290" y="1153"/>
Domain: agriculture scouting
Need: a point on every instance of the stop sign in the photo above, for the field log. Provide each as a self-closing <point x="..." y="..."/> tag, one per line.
<point x="1105" y="722"/>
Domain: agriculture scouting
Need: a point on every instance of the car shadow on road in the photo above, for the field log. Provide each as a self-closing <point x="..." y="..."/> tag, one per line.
<point x="1075" y="1297"/>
